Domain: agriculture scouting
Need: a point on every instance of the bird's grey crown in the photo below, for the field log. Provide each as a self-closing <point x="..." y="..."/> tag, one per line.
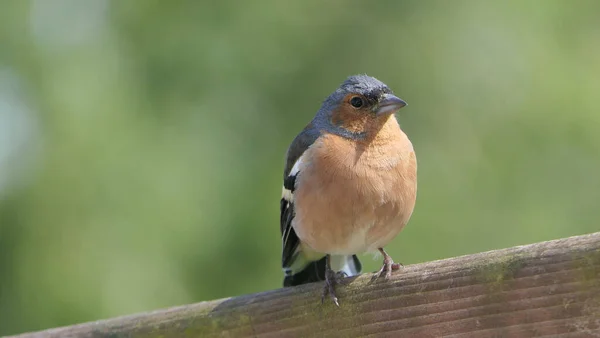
<point x="363" y="84"/>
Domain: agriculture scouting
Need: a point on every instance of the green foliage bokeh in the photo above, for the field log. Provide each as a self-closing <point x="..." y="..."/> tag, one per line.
<point x="142" y="142"/>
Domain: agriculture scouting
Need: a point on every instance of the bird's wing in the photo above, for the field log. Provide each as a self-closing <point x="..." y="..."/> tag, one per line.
<point x="289" y="238"/>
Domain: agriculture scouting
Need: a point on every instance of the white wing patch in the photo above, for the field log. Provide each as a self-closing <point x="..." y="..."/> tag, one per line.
<point x="296" y="167"/>
<point x="287" y="193"/>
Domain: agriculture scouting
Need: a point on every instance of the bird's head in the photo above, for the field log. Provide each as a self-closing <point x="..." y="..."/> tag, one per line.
<point x="359" y="104"/>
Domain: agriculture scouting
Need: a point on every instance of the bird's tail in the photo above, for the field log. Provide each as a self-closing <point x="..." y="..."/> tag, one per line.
<point x="314" y="271"/>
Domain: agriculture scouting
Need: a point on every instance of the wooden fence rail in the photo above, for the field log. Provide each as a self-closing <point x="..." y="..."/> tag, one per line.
<point x="548" y="288"/>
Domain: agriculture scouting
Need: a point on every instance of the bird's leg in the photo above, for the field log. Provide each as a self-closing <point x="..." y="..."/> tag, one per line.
<point x="331" y="280"/>
<point x="388" y="266"/>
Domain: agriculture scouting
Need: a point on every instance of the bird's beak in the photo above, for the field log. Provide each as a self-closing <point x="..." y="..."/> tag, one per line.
<point x="389" y="104"/>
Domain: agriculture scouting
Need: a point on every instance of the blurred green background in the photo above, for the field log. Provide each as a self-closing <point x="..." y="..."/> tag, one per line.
<point x="142" y="142"/>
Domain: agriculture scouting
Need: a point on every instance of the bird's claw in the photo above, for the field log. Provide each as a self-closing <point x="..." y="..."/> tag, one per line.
<point x="340" y="278"/>
<point x="387" y="268"/>
<point x="331" y="280"/>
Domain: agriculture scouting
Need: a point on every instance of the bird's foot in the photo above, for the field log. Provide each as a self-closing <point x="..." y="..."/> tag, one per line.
<point x="331" y="280"/>
<point x="387" y="267"/>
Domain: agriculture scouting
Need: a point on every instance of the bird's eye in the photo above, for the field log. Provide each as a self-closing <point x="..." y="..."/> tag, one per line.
<point x="356" y="102"/>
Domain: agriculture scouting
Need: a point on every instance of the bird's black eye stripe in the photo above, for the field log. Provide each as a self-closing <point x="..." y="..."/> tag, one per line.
<point x="356" y="102"/>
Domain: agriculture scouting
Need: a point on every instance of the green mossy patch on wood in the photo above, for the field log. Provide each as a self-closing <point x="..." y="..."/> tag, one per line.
<point x="497" y="271"/>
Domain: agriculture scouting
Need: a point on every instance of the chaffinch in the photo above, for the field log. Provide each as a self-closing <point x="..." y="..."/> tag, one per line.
<point x="349" y="186"/>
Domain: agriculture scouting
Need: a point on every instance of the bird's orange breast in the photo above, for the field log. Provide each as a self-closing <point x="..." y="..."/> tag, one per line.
<point x="355" y="196"/>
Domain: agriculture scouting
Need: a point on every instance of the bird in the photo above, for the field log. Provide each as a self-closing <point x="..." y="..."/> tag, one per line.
<point x="349" y="186"/>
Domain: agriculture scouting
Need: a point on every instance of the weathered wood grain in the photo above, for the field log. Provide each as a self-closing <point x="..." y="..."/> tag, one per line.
<point x="544" y="289"/>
